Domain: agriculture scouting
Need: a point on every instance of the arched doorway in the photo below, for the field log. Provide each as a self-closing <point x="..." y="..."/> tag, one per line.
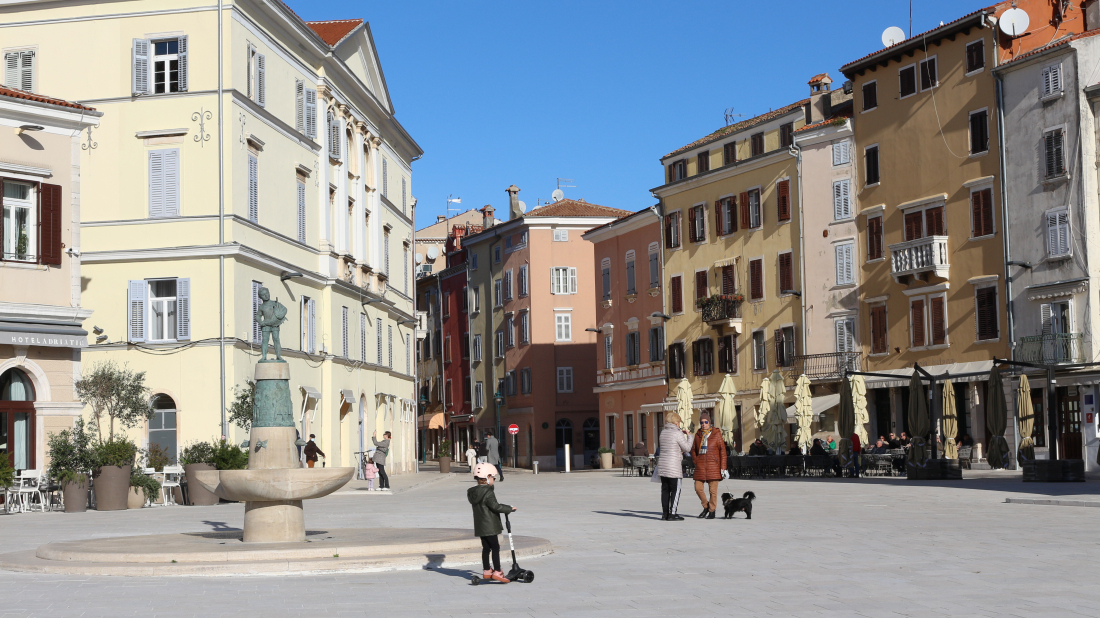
<point x="563" y="434"/>
<point x="590" y="435"/>
<point x="17" y="422"/>
<point x="162" y="427"/>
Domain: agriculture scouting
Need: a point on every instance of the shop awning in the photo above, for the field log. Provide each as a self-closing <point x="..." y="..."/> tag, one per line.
<point x="701" y="403"/>
<point x="957" y="373"/>
<point x="43" y="334"/>
<point x="819" y="406"/>
<point x="311" y="393"/>
<point x="436" y="421"/>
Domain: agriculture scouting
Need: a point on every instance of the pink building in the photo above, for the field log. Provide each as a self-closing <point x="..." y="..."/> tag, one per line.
<point x="630" y="368"/>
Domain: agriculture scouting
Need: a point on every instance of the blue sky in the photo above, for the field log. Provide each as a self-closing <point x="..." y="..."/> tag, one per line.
<point x="501" y="93"/>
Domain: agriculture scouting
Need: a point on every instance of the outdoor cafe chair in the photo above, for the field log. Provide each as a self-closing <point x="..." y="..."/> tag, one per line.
<point x="965" y="453"/>
<point x="171" y="480"/>
<point x="628" y="465"/>
<point x="27" y="492"/>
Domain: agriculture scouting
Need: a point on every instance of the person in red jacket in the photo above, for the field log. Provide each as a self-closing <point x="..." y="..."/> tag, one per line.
<point x="708" y="453"/>
<point x="857" y="450"/>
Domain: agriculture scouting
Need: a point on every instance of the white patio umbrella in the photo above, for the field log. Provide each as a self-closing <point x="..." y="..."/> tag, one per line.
<point x="803" y="412"/>
<point x="724" y="412"/>
<point x="775" y="423"/>
<point x="683" y="402"/>
<point x="765" y="402"/>
<point x="859" y="400"/>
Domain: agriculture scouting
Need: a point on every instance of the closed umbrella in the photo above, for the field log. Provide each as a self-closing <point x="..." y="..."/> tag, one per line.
<point x="996" y="413"/>
<point x="1027" y="422"/>
<point x="765" y="402"/>
<point x="683" y="402"/>
<point x="803" y="412"/>
<point x="950" y="421"/>
<point x="918" y="422"/>
<point x="775" y="423"/>
<point x="725" y="414"/>
<point x="846" y="420"/>
<point x="859" y="406"/>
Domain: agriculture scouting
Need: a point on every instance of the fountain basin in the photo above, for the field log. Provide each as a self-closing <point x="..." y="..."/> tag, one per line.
<point x="274" y="485"/>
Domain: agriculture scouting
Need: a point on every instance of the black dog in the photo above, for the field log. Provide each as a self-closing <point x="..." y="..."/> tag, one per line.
<point x="743" y="503"/>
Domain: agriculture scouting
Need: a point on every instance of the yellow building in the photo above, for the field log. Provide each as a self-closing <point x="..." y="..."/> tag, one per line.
<point x="730" y="230"/>
<point x="241" y="147"/>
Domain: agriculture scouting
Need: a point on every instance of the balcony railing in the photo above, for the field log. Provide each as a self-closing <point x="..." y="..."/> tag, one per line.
<point x="721" y="307"/>
<point x="920" y="255"/>
<point x="829" y="366"/>
<point x="1052" y="348"/>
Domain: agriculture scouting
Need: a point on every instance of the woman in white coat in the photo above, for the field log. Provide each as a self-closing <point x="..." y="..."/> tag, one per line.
<point x="674" y="442"/>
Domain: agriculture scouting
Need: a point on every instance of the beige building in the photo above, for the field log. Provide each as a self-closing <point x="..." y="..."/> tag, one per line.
<point x="241" y="148"/>
<point x="42" y="326"/>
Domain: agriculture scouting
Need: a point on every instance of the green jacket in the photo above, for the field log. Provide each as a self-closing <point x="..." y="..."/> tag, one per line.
<point x="486" y="510"/>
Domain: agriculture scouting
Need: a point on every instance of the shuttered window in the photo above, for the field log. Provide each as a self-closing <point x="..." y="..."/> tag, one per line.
<point x="299" y="105"/>
<point x="728" y="281"/>
<point x="698" y="227"/>
<point x="19" y="70"/>
<point x="311" y="114"/>
<point x="257" y="330"/>
<point x="261" y="80"/>
<point x="874" y="238"/>
<point x="729" y="153"/>
<point x="786" y="135"/>
<point x="702" y="357"/>
<point x="979" y="132"/>
<point x="727" y="354"/>
<point x="842" y="200"/>
<point x="164" y="182"/>
<point x="631" y="287"/>
<point x="759" y="352"/>
<point x="981" y="209"/>
<point x="253" y="188"/>
<point x="656" y="344"/>
<point x="701" y="288"/>
<point x="702" y="162"/>
<point x="159" y="310"/>
<point x="633" y="348"/>
<point x="986" y="313"/>
<point x="608" y="353"/>
<point x="563" y="280"/>
<point x="845" y="271"/>
<point x="914" y="225"/>
<point x="756" y="279"/>
<point x="878" y="329"/>
<point x="744" y="202"/>
<point x="672" y="230"/>
<point x="845" y="331"/>
<point x="786" y="273"/>
<point x="1055" y="155"/>
<point x="334" y="136"/>
<point x="1058" y="243"/>
<point x="916" y="322"/>
<point x="524" y="287"/>
<point x="378" y="339"/>
<point x="907" y="81"/>
<point x="301" y="185"/>
<point x="676" y="292"/>
<point x="1052" y="80"/>
<point x="676" y="360"/>
<point x="136" y="298"/>
<point x="363" y="340"/>
<point x="783" y="199"/>
<point x="870" y="156"/>
<point x="841" y="154"/>
<point x="870" y="95"/>
<point x="938" y="318"/>
<point x="726" y="216"/>
<point x="756" y="216"/>
<point x="975" y="56"/>
<point x="50" y="224"/>
<point x="757" y="144"/>
<point x="654" y="270"/>
<point x="929" y="78"/>
<point x="344" y="332"/>
<point x="934" y="223"/>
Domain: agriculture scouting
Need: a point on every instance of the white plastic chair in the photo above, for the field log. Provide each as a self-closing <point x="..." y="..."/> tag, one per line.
<point x="27" y="489"/>
<point x="171" y="480"/>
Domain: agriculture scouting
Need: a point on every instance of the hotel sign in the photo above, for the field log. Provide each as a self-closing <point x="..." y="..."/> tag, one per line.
<point x="43" y="340"/>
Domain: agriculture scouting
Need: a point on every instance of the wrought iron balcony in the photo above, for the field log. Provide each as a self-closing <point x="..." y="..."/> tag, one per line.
<point x="829" y="366"/>
<point x="722" y="309"/>
<point x="928" y="254"/>
<point x="1052" y="348"/>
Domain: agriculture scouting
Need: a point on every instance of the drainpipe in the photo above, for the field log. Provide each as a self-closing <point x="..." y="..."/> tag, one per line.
<point x="796" y="152"/>
<point x="221" y="223"/>
<point x="414" y="344"/>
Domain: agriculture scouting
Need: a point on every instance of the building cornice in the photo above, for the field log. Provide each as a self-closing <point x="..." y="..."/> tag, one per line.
<point x="722" y="173"/>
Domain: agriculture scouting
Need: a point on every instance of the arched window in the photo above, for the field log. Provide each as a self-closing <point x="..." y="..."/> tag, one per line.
<point x="162" y="427"/>
<point x="17" y="422"/>
<point x="563" y="433"/>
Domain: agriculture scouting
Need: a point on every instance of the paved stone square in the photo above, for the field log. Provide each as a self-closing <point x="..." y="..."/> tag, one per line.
<point x="871" y="547"/>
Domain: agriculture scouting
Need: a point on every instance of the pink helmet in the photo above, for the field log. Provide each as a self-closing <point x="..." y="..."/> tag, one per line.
<point x="485" y="470"/>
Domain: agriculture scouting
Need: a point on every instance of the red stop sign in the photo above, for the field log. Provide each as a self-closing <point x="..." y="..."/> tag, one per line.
<point x="513" y="429"/>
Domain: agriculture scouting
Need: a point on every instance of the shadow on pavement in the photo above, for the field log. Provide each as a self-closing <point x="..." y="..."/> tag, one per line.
<point x="1013" y="483"/>
<point x="639" y="514"/>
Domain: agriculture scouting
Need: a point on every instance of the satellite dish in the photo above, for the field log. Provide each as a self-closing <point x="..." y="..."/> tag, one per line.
<point x="1014" y="22"/>
<point x="433" y="253"/>
<point x="558" y="194"/>
<point x="419" y="258"/>
<point x="522" y="207"/>
<point x="892" y="36"/>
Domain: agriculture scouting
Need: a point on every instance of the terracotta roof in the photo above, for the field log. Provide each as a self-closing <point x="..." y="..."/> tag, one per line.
<point x="1058" y="43"/>
<point x="576" y="208"/>
<point x="334" y="31"/>
<point x="623" y="218"/>
<point x="820" y="77"/>
<point x="848" y="67"/>
<point x="734" y="128"/>
<point x="835" y="119"/>
<point x="30" y="96"/>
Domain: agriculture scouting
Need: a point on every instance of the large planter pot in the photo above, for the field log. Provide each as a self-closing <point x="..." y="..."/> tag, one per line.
<point x="112" y="484"/>
<point x="135" y="499"/>
<point x="76" y="495"/>
<point x="445" y="465"/>
<point x="197" y="495"/>
<point x="606" y="460"/>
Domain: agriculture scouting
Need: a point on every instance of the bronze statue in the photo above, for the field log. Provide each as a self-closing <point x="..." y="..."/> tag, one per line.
<point x="270" y="315"/>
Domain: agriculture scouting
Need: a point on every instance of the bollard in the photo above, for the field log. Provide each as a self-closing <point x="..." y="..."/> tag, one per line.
<point x="568" y="464"/>
<point x="535" y="465"/>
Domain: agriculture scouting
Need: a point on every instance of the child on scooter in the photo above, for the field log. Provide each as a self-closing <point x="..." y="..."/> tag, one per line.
<point x="487" y="513"/>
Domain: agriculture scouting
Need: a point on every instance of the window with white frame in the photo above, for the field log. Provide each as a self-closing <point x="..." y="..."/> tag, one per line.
<point x="975" y="56"/>
<point x="565" y="379"/>
<point x="253" y="187"/>
<point x="475" y="299"/>
<point x="979" y="131"/>
<point x="842" y="199"/>
<point x="1055" y="156"/>
<point x="1058" y="234"/>
<point x="525" y="327"/>
<point x="561" y="235"/>
<point x="344" y="332"/>
<point x="845" y="331"/>
<point x="497" y="300"/>
<point x="166" y="64"/>
<point x="499" y="344"/>
<point x="759" y="351"/>
<point x="608" y="354"/>
<point x="477" y="349"/>
<point x="841" y="154"/>
<point x="308" y="325"/>
<point x="256" y="70"/>
<point x="563" y="327"/>
<point x="563" y="280"/>
<point x="363" y="340"/>
<point x="508" y="284"/>
<point x="301" y="186"/>
<point x="523" y="283"/>
<point x="479" y="395"/>
<point x="929" y="77"/>
<point x="907" y="81"/>
<point x="756" y="218"/>
<point x="525" y="381"/>
<point x="631" y="287"/>
<point x="845" y="270"/>
<point x="19" y="70"/>
<point x="1051" y="80"/>
<point x="510" y="328"/>
<point x="168" y="317"/>
<point x="19" y="226"/>
<point x="785" y="348"/>
<point x="672" y="230"/>
<point x="654" y="270"/>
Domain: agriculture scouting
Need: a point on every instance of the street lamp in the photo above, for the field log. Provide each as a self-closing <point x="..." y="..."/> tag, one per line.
<point x="591" y="330"/>
<point x="498" y="397"/>
<point x="658" y="314"/>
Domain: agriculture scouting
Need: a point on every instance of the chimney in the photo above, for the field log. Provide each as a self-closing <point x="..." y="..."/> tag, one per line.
<point x="440" y="218"/>
<point x="487" y="218"/>
<point x="819" y="97"/>
<point x="513" y="202"/>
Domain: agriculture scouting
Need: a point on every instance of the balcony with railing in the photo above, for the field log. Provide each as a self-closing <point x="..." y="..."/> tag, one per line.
<point x="923" y="255"/>
<point x="722" y="310"/>
<point x="1051" y="348"/>
<point x="825" y="367"/>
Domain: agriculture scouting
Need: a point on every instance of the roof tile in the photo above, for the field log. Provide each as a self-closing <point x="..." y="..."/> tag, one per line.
<point x="334" y="31"/>
<point x="744" y="124"/>
<point x="30" y="96"/>
<point x="576" y="208"/>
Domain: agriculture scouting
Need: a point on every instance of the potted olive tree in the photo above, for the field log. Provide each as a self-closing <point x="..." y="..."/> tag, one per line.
<point x="7" y="473"/>
<point x="445" y="457"/>
<point x="118" y="400"/>
<point x="195" y="457"/>
<point x="607" y="458"/>
<point x="70" y="461"/>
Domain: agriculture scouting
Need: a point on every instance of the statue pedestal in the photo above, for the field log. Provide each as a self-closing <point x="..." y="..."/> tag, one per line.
<point x="274" y="522"/>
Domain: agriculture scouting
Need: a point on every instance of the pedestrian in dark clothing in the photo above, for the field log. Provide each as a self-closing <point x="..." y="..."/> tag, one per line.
<point x="487" y="526"/>
<point x="493" y="453"/>
<point x="312" y="451"/>
<point x="381" y="449"/>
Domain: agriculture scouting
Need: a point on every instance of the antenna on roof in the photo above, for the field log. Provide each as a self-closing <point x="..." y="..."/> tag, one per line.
<point x="451" y="199"/>
<point x="730" y="116"/>
<point x="558" y="194"/>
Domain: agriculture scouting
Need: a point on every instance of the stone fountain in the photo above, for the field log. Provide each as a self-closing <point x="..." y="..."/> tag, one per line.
<point x="274" y="485"/>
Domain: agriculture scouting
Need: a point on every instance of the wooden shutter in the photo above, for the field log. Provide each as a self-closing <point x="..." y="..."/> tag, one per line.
<point x="934" y="223"/>
<point x="878" y="329"/>
<point x="783" y="201"/>
<point x="786" y="277"/>
<point x="1055" y="161"/>
<point x="691" y="224"/>
<point x="916" y="313"/>
<point x="756" y="279"/>
<point x="975" y="56"/>
<point x="780" y="349"/>
<point x="136" y="299"/>
<point x="939" y="327"/>
<point x="140" y="73"/>
<point x="913" y="225"/>
<point x="50" y="224"/>
<point x="908" y="79"/>
<point x="870" y="96"/>
<point x="677" y="295"/>
<point x="746" y="221"/>
<point x="874" y="238"/>
<point x="182" y="64"/>
<point x="718" y="227"/>
<point x="981" y="203"/>
<point x="695" y="358"/>
<point x="668" y="231"/>
<point x="311" y="114"/>
<point x="987" y="313"/>
<point x="731" y="211"/>
<point x="183" y="309"/>
<point x="701" y="284"/>
<point x="727" y="280"/>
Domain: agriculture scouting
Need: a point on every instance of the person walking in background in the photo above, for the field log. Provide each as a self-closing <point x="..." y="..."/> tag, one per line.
<point x="381" y="450"/>
<point x="492" y="453"/>
<point x="857" y="453"/>
<point x="312" y="451"/>
<point x="674" y="442"/>
<point x="708" y="451"/>
<point x="471" y="456"/>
